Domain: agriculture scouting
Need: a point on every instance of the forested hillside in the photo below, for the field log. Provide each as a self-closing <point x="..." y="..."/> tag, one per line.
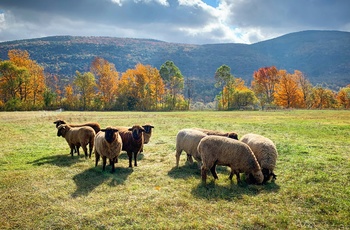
<point x="323" y="56"/>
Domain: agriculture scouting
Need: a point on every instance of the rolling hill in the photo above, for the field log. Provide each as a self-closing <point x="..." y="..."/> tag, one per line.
<point x="323" y="56"/>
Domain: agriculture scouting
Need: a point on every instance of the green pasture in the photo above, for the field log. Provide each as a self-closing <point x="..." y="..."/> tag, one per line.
<point x="43" y="187"/>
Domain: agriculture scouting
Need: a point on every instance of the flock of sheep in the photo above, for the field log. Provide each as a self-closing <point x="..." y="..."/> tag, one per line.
<point x="253" y="155"/>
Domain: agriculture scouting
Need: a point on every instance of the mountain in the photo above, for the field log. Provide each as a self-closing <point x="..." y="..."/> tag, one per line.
<point x="323" y="56"/>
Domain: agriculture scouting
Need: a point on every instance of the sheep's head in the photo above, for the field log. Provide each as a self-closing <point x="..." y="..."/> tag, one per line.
<point x="59" y="122"/>
<point x="137" y="131"/>
<point x="62" y="130"/>
<point x="109" y="134"/>
<point x="233" y="135"/>
<point x="258" y="177"/>
<point x="148" y="128"/>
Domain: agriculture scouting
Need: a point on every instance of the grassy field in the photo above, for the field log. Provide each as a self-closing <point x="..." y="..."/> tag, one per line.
<point x="43" y="187"/>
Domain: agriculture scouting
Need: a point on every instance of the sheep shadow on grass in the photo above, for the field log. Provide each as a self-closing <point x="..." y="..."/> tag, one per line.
<point x="58" y="160"/>
<point x="190" y="170"/>
<point x="231" y="190"/>
<point x="91" y="178"/>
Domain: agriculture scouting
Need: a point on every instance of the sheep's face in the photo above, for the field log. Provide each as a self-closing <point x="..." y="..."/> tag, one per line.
<point x="258" y="176"/>
<point x="59" y="122"/>
<point x="62" y="130"/>
<point x="137" y="131"/>
<point x="148" y="128"/>
<point x="233" y="135"/>
<point x="110" y="134"/>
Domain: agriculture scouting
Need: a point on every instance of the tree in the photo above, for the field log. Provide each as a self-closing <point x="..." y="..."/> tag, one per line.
<point x="174" y="81"/>
<point x="33" y="87"/>
<point x="107" y="80"/>
<point x="11" y="82"/>
<point x="225" y="79"/>
<point x="287" y="91"/>
<point x="343" y="97"/>
<point x="305" y="87"/>
<point x="264" y="83"/>
<point x="85" y="84"/>
<point x="322" y="98"/>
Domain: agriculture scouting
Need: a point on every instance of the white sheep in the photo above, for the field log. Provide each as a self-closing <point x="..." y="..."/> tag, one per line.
<point x="209" y="132"/>
<point x="78" y="136"/>
<point x="187" y="140"/>
<point x="217" y="150"/>
<point x="265" y="152"/>
<point x="108" y="144"/>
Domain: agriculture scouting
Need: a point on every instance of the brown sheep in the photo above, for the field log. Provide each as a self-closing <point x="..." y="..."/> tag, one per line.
<point x="133" y="141"/>
<point x="93" y="125"/>
<point x="209" y="132"/>
<point x="77" y="136"/>
<point x="217" y="150"/>
<point x="108" y="144"/>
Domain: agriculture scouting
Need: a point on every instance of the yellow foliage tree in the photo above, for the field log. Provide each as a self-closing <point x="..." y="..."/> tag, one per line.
<point x="287" y="91"/>
<point x="343" y="97"/>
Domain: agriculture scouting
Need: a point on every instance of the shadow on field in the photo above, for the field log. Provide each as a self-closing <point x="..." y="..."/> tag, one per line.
<point x="58" y="160"/>
<point x="189" y="170"/>
<point x="231" y="191"/>
<point x="89" y="179"/>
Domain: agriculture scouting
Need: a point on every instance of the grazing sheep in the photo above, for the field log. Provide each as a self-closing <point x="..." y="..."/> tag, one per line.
<point x="77" y="136"/>
<point x="187" y="140"/>
<point x="132" y="141"/>
<point x="232" y="135"/>
<point x="265" y="152"/>
<point x="108" y="144"/>
<point x="216" y="150"/>
<point x="93" y="125"/>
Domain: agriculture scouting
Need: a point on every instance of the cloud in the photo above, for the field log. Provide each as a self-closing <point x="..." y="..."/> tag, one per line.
<point x="183" y="21"/>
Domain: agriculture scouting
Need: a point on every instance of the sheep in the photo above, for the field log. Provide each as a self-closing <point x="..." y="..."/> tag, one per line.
<point x="265" y="152"/>
<point x="232" y="135"/>
<point x="147" y="134"/>
<point x="133" y="140"/>
<point x="77" y="136"/>
<point x="93" y="125"/>
<point x="187" y="140"/>
<point x="108" y="144"/>
<point x="217" y="150"/>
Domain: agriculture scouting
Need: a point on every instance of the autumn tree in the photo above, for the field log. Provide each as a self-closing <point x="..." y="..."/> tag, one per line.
<point x="141" y="88"/>
<point x="174" y="82"/>
<point x="225" y="80"/>
<point x="85" y="84"/>
<point x="11" y="83"/>
<point x="305" y="87"/>
<point x="322" y="98"/>
<point x="287" y="93"/>
<point x="33" y="87"/>
<point x="265" y="80"/>
<point x="343" y="97"/>
<point x="107" y="80"/>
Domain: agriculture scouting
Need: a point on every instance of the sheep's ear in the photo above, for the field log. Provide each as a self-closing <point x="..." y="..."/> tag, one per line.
<point x="103" y="130"/>
<point x="115" y="130"/>
<point x="55" y="122"/>
<point x="130" y="129"/>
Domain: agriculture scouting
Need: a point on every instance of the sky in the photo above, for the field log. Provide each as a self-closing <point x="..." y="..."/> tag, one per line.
<point x="179" y="21"/>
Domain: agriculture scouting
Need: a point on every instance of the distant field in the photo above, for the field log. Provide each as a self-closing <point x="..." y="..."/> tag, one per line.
<point x="43" y="187"/>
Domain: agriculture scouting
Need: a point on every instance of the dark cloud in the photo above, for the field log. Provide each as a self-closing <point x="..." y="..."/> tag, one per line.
<point x="182" y="21"/>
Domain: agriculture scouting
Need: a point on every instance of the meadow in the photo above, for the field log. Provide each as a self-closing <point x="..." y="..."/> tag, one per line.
<point x="43" y="187"/>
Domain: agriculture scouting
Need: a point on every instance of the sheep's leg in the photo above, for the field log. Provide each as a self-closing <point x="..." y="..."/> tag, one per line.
<point x="204" y="174"/>
<point x="78" y="150"/>
<point x="72" y="147"/>
<point x="85" y="150"/>
<point x="178" y="153"/>
<point x="113" y="167"/>
<point x="104" y="159"/>
<point x="135" y="159"/>
<point x="213" y="171"/>
<point x="97" y="158"/>
<point x="130" y="159"/>
<point x="238" y="177"/>
<point x="90" y="149"/>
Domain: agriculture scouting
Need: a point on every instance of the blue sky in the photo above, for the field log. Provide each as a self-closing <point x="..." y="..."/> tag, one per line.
<point x="180" y="21"/>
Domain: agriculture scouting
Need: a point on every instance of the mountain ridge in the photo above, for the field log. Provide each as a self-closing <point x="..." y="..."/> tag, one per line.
<point x="323" y="56"/>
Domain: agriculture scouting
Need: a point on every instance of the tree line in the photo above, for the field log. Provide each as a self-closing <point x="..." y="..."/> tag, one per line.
<point x="24" y="85"/>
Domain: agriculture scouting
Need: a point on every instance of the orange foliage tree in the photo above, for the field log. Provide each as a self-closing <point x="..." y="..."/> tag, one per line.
<point x="141" y="88"/>
<point x="322" y="98"/>
<point x="265" y="80"/>
<point x="287" y="91"/>
<point x="107" y="80"/>
<point x="33" y="86"/>
<point x="343" y="97"/>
